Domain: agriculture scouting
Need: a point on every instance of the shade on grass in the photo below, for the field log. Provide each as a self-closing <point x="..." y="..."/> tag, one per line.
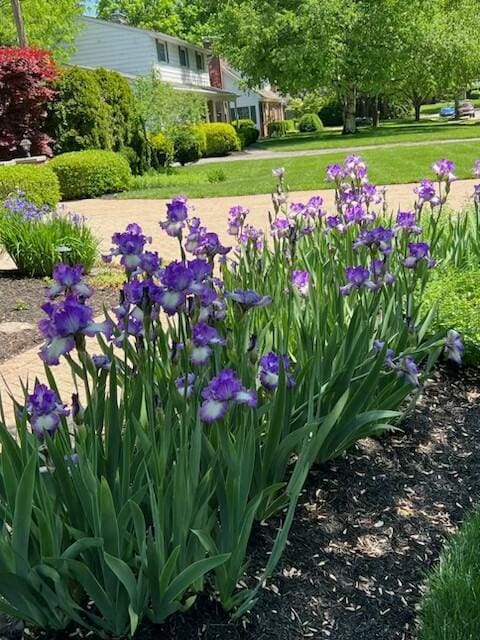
<point x="388" y="133"/>
<point x="386" y="166"/>
<point x="451" y="607"/>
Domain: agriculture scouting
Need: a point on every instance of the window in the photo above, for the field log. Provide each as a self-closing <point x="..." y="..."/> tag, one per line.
<point x="183" y="55"/>
<point x="253" y="114"/>
<point x="200" y="61"/>
<point x="162" y="51"/>
<point x="243" y="113"/>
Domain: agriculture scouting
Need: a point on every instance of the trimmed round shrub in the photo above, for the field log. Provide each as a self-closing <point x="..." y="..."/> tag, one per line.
<point x="189" y="143"/>
<point x="88" y="174"/>
<point x="162" y="149"/>
<point x="331" y="114"/>
<point x="277" y="128"/>
<point x="201" y="135"/>
<point x="247" y="132"/>
<point x="39" y="184"/>
<point x="221" y="137"/>
<point x="310" y="123"/>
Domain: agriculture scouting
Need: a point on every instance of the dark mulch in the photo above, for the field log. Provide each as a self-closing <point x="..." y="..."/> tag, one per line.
<point x="20" y="301"/>
<point x="367" y="528"/>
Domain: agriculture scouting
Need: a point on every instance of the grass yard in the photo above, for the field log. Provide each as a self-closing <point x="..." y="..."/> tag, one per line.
<point x="386" y="133"/>
<point x="386" y="166"/>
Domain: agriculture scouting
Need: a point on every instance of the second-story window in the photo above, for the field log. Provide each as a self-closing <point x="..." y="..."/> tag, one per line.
<point x="162" y="51"/>
<point x="200" y="61"/>
<point x="183" y="55"/>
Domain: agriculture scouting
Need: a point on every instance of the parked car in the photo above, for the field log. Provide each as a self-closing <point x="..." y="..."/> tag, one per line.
<point x="466" y="110"/>
<point x="364" y="121"/>
<point x="447" y="112"/>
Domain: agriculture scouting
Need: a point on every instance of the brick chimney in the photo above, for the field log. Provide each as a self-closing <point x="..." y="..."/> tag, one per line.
<point x="214" y="66"/>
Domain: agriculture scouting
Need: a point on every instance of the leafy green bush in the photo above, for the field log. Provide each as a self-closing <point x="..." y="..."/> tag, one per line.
<point x="189" y="143"/>
<point x="88" y="174"/>
<point x="310" y="123"/>
<point x="39" y="184"/>
<point x="247" y="132"/>
<point x="277" y="129"/>
<point x="162" y="149"/>
<point x="118" y="95"/>
<point x="331" y="114"/>
<point x="221" y="139"/>
<point x="36" y="238"/>
<point x="457" y="296"/>
<point x="291" y="126"/>
<point x="450" y="609"/>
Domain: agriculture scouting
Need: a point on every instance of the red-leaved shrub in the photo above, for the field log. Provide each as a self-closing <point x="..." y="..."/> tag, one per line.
<point x="26" y="76"/>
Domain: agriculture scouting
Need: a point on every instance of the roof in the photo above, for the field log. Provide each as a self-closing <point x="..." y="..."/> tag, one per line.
<point x="153" y="34"/>
<point x="206" y="90"/>
<point x="266" y="95"/>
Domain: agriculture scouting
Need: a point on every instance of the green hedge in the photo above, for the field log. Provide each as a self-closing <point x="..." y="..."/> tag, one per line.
<point x="331" y="114"/>
<point x="87" y="174"/>
<point x="40" y="184"/>
<point x="277" y="129"/>
<point x="450" y="609"/>
<point x="457" y="295"/>
<point x="162" y="149"/>
<point x="310" y="123"/>
<point x="247" y="132"/>
<point x="189" y="143"/>
<point x="221" y="138"/>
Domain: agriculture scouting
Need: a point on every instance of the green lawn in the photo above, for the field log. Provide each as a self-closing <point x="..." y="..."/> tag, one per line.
<point x="451" y="607"/>
<point x="387" y="166"/>
<point x="387" y="133"/>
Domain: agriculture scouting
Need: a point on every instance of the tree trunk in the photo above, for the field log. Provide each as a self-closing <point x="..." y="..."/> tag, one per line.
<point x="375" y="112"/>
<point x="349" y="111"/>
<point x="457" y="105"/>
<point x="417" y="106"/>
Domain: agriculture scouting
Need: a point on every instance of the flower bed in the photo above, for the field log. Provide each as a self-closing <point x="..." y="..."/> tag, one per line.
<point x="220" y="379"/>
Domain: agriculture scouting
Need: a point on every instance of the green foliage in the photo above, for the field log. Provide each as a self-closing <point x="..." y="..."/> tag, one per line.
<point x="39" y="184"/>
<point x="161" y="106"/>
<point x="49" y="25"/>
<point x="450" y="610"/>
<point x="88" y="174"/>
<point x="310" y="123"/>
<point x="36" y="246"/>
<point x="162" y="149"/>
<point x="247" y="132"/>
<point x="311" y="102"/>
<point x="216" y="175"/>
<point x="456" y="294"/>
<point x="80" y="118"/>
<point x="278" y="128"/>
<point x="189" y="143"/>
<point x="331" y="112"/>
<point x="221" y="139"/>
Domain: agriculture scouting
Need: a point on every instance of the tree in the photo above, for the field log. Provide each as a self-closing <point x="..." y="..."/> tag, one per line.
<point x="161" y="106"/>
<point x="49" y="25"/>
<point x="309" y="102"/>
<point x="157" y="15"/>
<point x="26" y="87"/>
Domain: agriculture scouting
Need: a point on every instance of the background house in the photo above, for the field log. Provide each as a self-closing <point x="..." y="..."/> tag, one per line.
<point x="261" y="105"/>
<point x="134" y="52"/>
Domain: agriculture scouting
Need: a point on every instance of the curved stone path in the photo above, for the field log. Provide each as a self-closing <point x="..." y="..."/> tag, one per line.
<point x="105" y="216"/>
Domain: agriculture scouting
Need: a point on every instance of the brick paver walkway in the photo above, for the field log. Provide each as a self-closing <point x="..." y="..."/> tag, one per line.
<point x="107" y="216"/>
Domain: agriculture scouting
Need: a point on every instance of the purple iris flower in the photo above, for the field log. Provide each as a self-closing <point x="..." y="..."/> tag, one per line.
<point x="454" y="347"/>
<point x="476" y="169"/>
<point x="177" y="276"/>
<point x="251" y="236"/>
<point x="371" y="194"/>
<point x="223" y="390"/>
<point x="209" y="246"/>
<point x="69" y="281"/>
<point x="379" y="238"/>
<point x="18" y="204"/>
<point x="335" y="222"/>
<point x="426" y="192"/>
<point x="335" y="173"/>
<point x="203" y="334"/>
<point x="281" y="228"/>
<point x="185" y="384"/>
<point x="269" y="371"/>
<point x="444" y="169"/>
<point x="177" y="213"/>
<point x="301" y="280"/>
<point x="278" y="173"/>
<point x="355" y="167"/>
<point x="407" y="221"/>
<point x="407" y="368"/>
<point x="236" y="219"/>
<point x="200" y="269"/>
<point x="357" y="278"/>
<point x="248" y="298"/>
<point x="418" y="252"/>
<point x="130" y="245"/>
<point x="102" y="362"/>
<point x="355" y="214"/>
<point x="150" y="262"/>
<point x="44" y="410"/>
<point x="66" y="322"/>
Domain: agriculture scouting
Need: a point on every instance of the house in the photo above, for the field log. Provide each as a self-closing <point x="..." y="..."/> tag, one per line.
<point x="116" y="45"/>
<point x="261" y="105"/>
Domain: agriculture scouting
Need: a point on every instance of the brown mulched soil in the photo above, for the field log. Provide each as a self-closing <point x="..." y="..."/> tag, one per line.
<point x="21" y="300"/>
<point x="367" y="527"/>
